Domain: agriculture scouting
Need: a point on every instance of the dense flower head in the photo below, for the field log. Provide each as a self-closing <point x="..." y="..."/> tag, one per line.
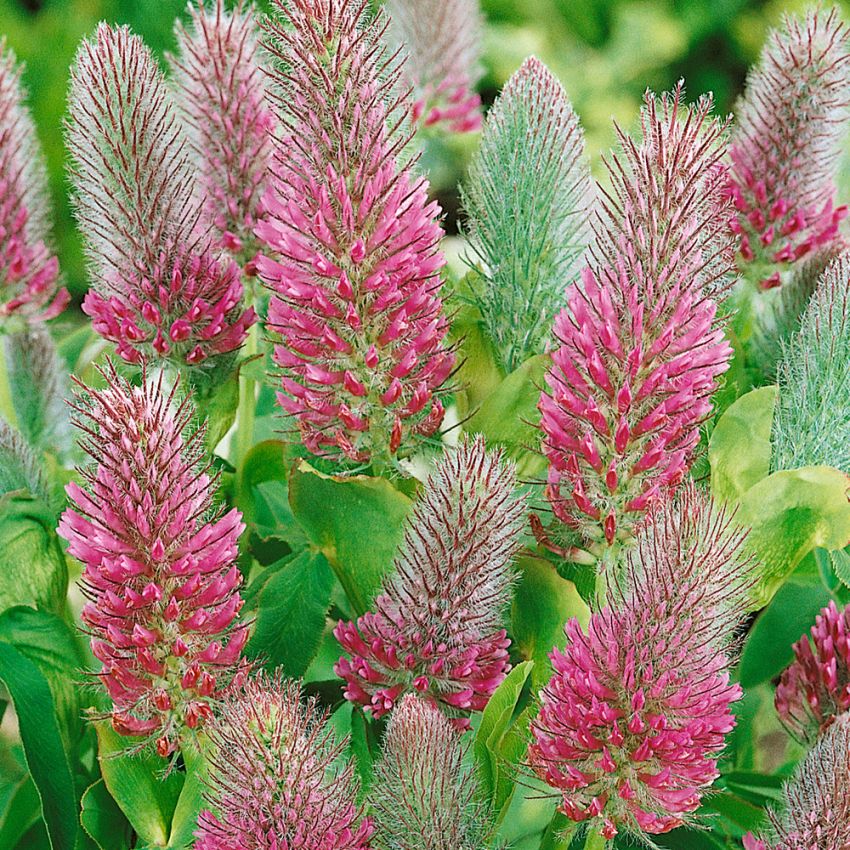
<point x="353" y="240"/>
<point x="639" y="349"/>
<point x="219" y="72"/>
<point x="786" y="146"/>
<point x="160" y="290"/>
<point x="423" y="797"/>
<point x="530" y="168"/>
<point x="635" y="715"/>
<point x="816" y="802"/>
<point x="815" y="688"/>
<point x="276" y="779"/>
<point x="442" y="39"/>
<point x="29" y="273"/>
<point x="435" y="627"/>
<point x="159" y="561"/>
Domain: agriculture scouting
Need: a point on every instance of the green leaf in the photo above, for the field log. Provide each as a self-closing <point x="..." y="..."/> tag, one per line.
<point x="496" y="750"/>
<point x="543" y="603"/>
<point x="137" y="784"/>
<point x="479" y="373"/>
<point x="789" y="514"/>
<point x="356" y="522"/>
<point x="291" y="613"/>
<point x="103" y="820"/>
<point x="44" y="748"/>
<point x="840" y="560"/>
<point x="559" y="833"/>
<point x="364" y="746"/>
<point x="739" y="448"/>
<point x="191" y="800"/>
<point x="21" y="811"/>
<point x="509" y="416"/>
<point x="790" y="614"/>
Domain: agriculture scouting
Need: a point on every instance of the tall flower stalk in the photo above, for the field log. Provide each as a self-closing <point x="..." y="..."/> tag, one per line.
<point x="160" y="290"/>
<point x="528" y="198"/>
<point x="159" y="561"/>
<point x="639" y="343"/>
<point x="29" y="272"/>
<point x="635" y="715"/>
<point x="353" y="242"/>
<point x="436" y="626"/>
<point x="277" y="781"/>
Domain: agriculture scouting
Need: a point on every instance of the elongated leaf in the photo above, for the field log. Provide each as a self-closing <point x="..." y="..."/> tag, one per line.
<point x="190" y="802"/>
<point x="103" y="820"/>
<point x="21" y="811"/>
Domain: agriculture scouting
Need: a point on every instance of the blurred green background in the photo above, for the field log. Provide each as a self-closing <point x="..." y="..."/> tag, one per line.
<point x="606" y="52"/>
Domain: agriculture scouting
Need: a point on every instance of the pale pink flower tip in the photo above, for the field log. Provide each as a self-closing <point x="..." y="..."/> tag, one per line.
<point x="639" y="347"/>
<point x="435" y="628"/>
<point x="29" y="273"/>
<point x="786" y="145"/>
<point x="815" y="688"/>
<point x="353" y="243"/>
<point x="277" y="781"/>
<point x="159" y="561"/>
<point x="635" y="715"/>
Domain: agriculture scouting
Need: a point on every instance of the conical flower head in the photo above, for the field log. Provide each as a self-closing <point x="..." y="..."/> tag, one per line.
<point x="159" y="561"/>
<point x="442" y="39"/>
<point x="29" y="273"/>
<point x="639" y="349"/>
<point x="423" y="797"/>
<point x="815" y="688"/>
<point x="219" y="71"/>
<point x="160" y="292"/>
<point x="786" y="146"/>
<point x="635" y="715"/>
<point x="528" y="199"/>
<point x="353" y="240"/>
<point x="435" y="627"/>
<point x="816" y="805"/>
<point x="277" y="780"/>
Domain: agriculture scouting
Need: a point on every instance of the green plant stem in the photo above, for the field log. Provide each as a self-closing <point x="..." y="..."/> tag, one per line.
<point x="247" y="403"/>
<point x="594" y="840"/>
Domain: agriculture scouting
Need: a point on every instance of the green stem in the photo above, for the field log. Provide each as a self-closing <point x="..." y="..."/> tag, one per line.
<point x="247" y="403"/>
<point x="594" y="840"/>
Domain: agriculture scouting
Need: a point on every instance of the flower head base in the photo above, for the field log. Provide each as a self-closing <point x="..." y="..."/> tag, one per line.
<point x="355" y="244"/>
<point x="159" y="562"/>
<point x="29" y="273"/>
<point x="160" y="291"/>
<point x="436" y="625"/>
<point x="221" y="92"/>
<point x="276" y="781"/>
<point x="636" y="712"/>
<point x="816" y="812"/>
<point x="815" y="688"/>
<point x="639" y="347"/>
<point x="442" y="39"/>
<point x="422" y="796"/>
<point x="786" y="146"/>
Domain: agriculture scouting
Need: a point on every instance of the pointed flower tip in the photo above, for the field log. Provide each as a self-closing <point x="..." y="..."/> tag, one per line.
<point x="435" y="628"/>
<point x="159" y="564"/>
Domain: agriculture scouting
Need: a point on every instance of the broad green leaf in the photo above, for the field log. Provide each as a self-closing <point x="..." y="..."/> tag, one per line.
<point x="738" y="814"/>
<point x="44" y="748"/>
<point x="509" y="416"/>
<point x="478" y="374"/>
<point x="758" y="788"/>
<point x="543" y="603"/>
<point x="22" y="810"/>
<point x="559" y="833"/>
<point x="355" y="522"/>
<point x="137" y="784"/>
<point x="103" y="820"/>
<point x="739" y="448"/>
<point x="840" y="560"/>
<point x="217" y="403"/>
<point x="496" y="750"/>
<point x="789" y="514"/>
<point x="190" y="802"/>
<point x="364" y="746"/>
<point x="291" y="611"/>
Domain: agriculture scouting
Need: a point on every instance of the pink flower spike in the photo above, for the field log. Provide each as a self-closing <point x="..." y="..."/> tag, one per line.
<point x="276" y="779"/>
<point x="442" y="39"/>
<point x="635" y="715"/>
<point x="159" y="561"/>
<point x="785" y="149"/>
<point x="352" y="242"/>
<point x="639" y="344"/>
<point x="29" y="273"/>
<point x="219" y="73"/>
<point x="160" y="290"/>
<point x="435" y="628"/>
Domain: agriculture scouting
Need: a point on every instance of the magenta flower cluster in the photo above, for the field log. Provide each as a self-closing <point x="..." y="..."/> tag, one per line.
<point x="354" y="243"/>
<point x="159" y="562"/>
<point x="435" y="628"/>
